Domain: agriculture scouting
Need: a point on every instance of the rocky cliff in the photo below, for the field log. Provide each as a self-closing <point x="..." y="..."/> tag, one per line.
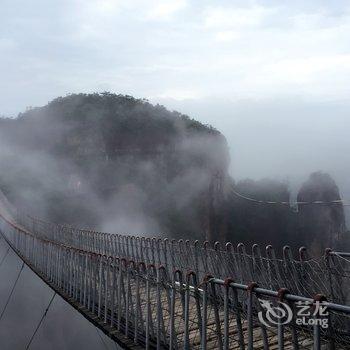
<point x="115" y="163"/>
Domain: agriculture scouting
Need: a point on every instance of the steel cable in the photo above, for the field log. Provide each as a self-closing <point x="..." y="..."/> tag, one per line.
<point x="40" y="322"/>
<point x="102" y="340"/>
<point x="12" y="290"/>
<point x="5" y="255"/>
<point x="288" y="203"/>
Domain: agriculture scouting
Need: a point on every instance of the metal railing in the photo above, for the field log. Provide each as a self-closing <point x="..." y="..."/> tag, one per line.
<point x="160" y="298"/>
<point x="304" y="275"/>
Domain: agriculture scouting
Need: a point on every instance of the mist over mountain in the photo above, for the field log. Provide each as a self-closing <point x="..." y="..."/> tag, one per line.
<point x="119" y="164"/>
<point x="316" y="226"/>
<point x="112" y="163"/>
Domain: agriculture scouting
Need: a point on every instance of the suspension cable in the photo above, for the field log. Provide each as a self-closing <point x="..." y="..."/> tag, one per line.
<point x="258" y="201"/>
<point x="102" y="340"/>
<point x="40" y="322"/>
<point x="12" y="290"/>
<point x="5" y="255"/>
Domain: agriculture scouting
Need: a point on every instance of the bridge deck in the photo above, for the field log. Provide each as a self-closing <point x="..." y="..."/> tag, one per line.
<point x="148" y="306"/>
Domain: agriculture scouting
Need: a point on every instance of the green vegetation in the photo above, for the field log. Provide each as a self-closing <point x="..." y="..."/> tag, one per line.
<point x="102" y="159"/>
<point x="120" y="164"/>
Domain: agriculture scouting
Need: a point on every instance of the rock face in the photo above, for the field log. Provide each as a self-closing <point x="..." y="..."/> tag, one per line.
<point x="114" y="163"/>
<point x="320" y="225"/>
<point x="265" y="224"/>
<point x="118" y="164"/>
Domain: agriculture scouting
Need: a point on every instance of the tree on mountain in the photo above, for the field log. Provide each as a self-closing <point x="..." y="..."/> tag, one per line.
<point x="320" y="225"/>
<point x="252" y="222"/>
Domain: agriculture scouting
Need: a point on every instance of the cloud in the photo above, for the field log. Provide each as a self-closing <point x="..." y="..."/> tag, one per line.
<point x="157" y="48"/>
<point x="7" y="44"/>
<point x="306" y="69"/>
<point x="226" y="35"/>
<point x="236" y="17"/>
<point x="164" y="10"/>
<point x="179" y="94"/>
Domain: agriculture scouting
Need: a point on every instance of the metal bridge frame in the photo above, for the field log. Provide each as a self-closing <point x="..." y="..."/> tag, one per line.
<point x="153" y="306"/>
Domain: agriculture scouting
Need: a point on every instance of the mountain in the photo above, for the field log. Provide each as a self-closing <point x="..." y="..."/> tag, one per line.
<point x="321" y="225"/>
<point x="113" y="162"/>
<point x="119" y="164"/>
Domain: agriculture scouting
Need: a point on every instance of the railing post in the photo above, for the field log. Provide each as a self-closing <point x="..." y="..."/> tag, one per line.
<point x="108" y="289"/>
<point x="100" y="284"/>
<point x="227" y="313"/>
<point x="115" y="266"/>
<point x="160" y="323"/>
<point x="119" y="292"/>
<point x="172" y="254"/>
<point x="328" y="258"/>
<point x="187" y="315"/>
<point x="319" y="298"/>
<point x="238" y="319"/>
<point x="205" y="256"/>
<point x="250" y="290"/>
<point x="281" y="293"/>
<point x="302" y="279"/>
<point x="257" y="262"/>
<point x="205" y="311"/>
<point x="165" y="254"/>
<point x="128" y="313"/>
<point x="241" y="261"/>
<point x="191" y="275"/>
<point x="141" y="270"/>
<point x="148" y="306"/>
<point x="176" y="277"/>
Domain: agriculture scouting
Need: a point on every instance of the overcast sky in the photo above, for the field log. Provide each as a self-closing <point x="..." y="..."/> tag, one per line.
<point x="273" y="76"/>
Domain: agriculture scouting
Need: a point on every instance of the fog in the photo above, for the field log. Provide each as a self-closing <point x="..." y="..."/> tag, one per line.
<point x="112" y="163"/>
<point x="273" y="77"/>
<point x="280" y="138"/>
<point x="63" y="327"/>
